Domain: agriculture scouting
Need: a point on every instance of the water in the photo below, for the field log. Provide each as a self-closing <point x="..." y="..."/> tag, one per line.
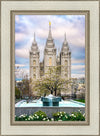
<point x="38" y="103"/>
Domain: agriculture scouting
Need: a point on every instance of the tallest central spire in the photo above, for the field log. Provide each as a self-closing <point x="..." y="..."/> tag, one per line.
<point x="50" y="35"/>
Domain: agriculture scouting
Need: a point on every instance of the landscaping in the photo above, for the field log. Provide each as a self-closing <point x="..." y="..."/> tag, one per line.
<point x="58" y="116"/>
<point x="80" y="100"/>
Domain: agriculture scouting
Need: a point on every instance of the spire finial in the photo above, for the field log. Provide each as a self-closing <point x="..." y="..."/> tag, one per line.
<point x="49" y="23"/>
<point x="50" y="35"/>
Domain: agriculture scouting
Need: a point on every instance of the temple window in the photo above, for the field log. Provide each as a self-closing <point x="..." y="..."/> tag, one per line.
<point x="34" y="62"/>
<point x="50" y="61"/>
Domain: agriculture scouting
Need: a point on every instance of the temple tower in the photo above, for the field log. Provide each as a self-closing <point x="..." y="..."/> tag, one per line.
<point x="49" y="52"/>
<point x="34" y="61"/>
<point x="65" y="60"/>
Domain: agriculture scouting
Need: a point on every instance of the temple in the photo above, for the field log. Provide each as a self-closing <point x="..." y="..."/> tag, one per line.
<point x="51" y="58"/>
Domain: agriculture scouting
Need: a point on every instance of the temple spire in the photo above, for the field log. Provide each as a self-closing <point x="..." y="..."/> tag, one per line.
<point x="34" y="41"/>
<point x="34" y="37"/>
<point x="50" y="35"/>
<point x="65" y="41"/>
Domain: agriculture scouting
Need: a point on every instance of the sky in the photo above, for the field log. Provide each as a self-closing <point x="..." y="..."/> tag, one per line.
<point x="27" y="25"/>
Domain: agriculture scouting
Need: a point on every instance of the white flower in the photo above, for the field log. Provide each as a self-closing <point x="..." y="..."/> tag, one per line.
<point x="37" y="117"/>
<point x="66" y="117"/>
<point x="52" y="119"/>
<point x="25" y="119"/>
<point x="44" y="119"/>
<point x="72" y="114"/>
<point x="31" y="117"/>
<point x="48" y="120"/>
<point x="20" y="116"/>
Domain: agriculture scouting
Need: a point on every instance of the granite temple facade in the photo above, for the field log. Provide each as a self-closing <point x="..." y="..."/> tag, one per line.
<point x="51" y="58"/>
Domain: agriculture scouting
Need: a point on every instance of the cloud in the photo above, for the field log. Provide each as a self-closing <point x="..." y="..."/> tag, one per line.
<point x="72" y="25"/>
<point x="19" y="65"/>
<point x="19" y="37"/>
<point x="77" y="67"/>
<point x="77" y="75"/>
<point x="24" y="53"/>
<point x="75" y="61"/>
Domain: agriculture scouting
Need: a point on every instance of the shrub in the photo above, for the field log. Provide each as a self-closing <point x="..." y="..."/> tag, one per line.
<point x="80" y="100"/>
<point x="21" y="117"/>
<point x="58" y="116"/>
<point x="37" y="116"/>
<point x="75" y="116"/>
<point x="40" y="115"/>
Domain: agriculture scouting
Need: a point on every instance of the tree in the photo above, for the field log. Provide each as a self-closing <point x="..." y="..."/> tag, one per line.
<point x="25" y="87"/>
<point x="17" y="93"/>
<point x="51" y="82"/>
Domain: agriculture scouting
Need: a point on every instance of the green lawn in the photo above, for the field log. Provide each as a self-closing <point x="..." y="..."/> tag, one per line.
<point x="80" y="100"/>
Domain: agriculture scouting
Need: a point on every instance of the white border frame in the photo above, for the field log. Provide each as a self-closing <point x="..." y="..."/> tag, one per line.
<point x="6" y="7"/>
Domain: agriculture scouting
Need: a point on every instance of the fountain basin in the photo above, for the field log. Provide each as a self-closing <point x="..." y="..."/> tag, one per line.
<point x="50" y="100"/>
<point x="68" y="106"/>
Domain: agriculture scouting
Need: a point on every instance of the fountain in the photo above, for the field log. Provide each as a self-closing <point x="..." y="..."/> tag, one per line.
<point x="50" y="100"/>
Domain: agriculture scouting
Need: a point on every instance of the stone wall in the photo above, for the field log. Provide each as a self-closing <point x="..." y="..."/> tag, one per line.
<point x="47" y="110"/>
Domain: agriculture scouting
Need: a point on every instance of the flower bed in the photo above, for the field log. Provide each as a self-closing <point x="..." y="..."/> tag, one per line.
<point x="58" y="116"/>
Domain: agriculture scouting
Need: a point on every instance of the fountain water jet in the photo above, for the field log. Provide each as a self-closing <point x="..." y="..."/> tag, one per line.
<point x="50" y="100"/>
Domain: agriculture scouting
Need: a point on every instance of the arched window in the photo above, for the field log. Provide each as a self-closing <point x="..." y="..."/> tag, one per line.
<point x="34" y="62"/>
<point x="66" y="62"/>
<point x="50" y="61"/>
